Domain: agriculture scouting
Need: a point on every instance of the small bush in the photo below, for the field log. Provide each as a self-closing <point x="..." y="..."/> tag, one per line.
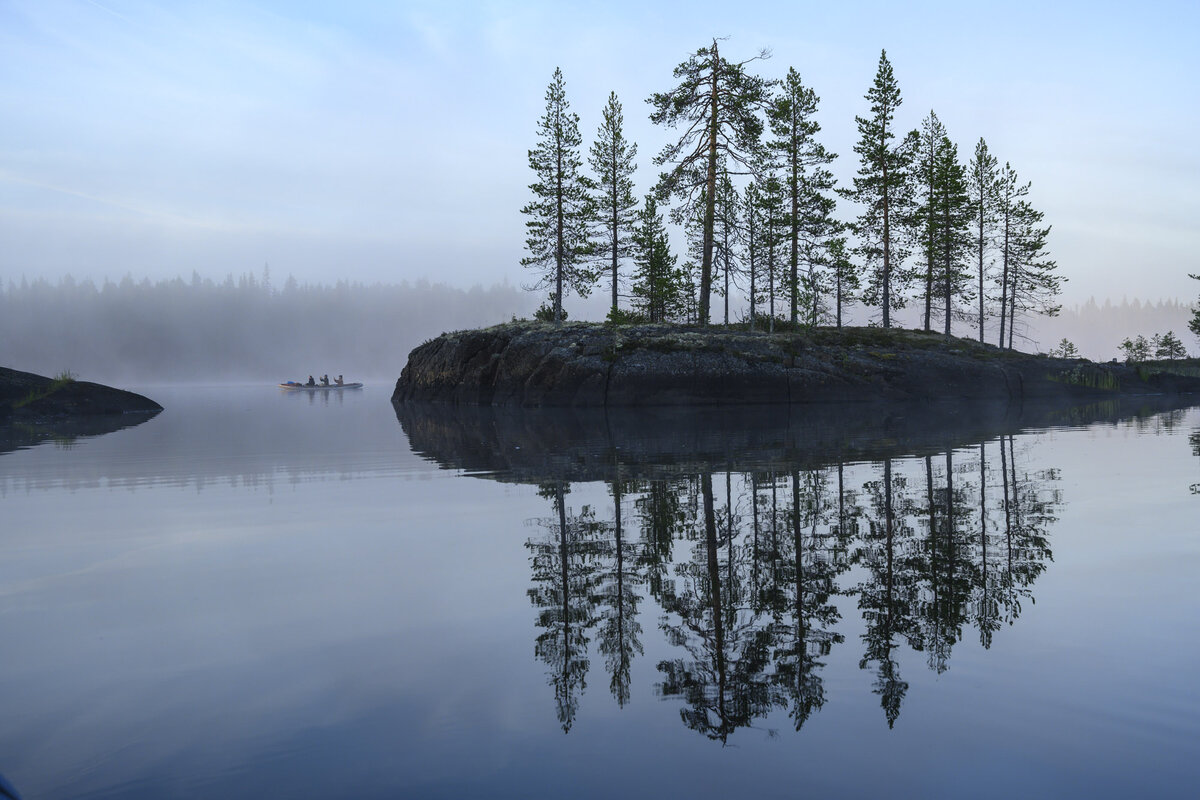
<point x="545" y="313"/>
<point x="619" y="316"/>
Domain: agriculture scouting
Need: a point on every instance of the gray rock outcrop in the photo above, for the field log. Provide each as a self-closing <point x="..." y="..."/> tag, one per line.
<point x="593" y="365"/>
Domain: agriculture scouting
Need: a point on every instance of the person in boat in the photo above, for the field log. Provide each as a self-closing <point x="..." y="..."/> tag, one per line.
<point x="311" y="382"/>
<point x="339" y="380"/>
<point x="325" y="379"/>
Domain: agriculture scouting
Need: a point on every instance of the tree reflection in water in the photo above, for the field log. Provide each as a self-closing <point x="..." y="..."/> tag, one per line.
<point x="745" y="569"/>
<point x="764" y="547"/>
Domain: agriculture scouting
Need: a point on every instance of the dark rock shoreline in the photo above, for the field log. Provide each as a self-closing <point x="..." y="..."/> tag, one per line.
<point x="594" y="365"/>
<point x="25" y="396"/>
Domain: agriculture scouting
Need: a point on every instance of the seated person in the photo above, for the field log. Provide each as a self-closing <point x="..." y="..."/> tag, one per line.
<point x="311" y="382"/>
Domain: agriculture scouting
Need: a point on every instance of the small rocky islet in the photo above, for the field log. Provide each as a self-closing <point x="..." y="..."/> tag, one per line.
<point x="25" y="396"/>
<point x="581" y="364"/>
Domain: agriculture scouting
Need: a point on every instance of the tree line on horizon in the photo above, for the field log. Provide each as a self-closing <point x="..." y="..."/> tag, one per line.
<point x="236" y="328"/>
<point x="749" y="183"/>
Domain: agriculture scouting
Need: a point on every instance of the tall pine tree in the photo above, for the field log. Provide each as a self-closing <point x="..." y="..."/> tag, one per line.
<point x="558" y="228"/>
<point x="806" y="179"/>
<point x="925" y="166"/>
<point x="1008" y="194"/>
<point x="981" y="189"/>
<point x="1034" y="275"/>
<point x="883" y="187"/>
<point x="727" y="212"/>
<point x="951" y="234"/>
<point x="752" y="245"/>
<point x="611" y="159"/>
<point x="716" y="103"/>
<point x="774" y="235"/>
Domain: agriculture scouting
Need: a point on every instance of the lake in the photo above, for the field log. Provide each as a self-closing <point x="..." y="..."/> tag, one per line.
<point x="264" y="594"/>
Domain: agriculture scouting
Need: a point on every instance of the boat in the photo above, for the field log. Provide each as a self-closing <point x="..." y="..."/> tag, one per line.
<point x="322" y="387"/>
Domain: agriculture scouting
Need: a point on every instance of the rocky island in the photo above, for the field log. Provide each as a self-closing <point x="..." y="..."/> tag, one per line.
<point x="584" y="364"/>
<point x="25" y="396"/>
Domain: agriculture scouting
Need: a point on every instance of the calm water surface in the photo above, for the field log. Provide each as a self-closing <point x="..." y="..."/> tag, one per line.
<point x="257" y="594"/>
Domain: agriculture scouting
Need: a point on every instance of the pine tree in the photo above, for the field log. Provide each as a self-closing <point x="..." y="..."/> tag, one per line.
<point x="557" y="231"/>
<point x="884" y="187"/>
<point x="1008" y="193"/>
<point x="1169" y="346"/>
<point x="951" y="234"/>
<point x="716" y="103"/>
<point x="773" y="217"/>
<point x="611" y="158"/>
<point x="925" y="167"/>
<point x="1035" y="282"/>
<point x="752" y="245"/>
<point x="657" y="285"/>
<point x="807" y="180"/>
<point x="843" y="275"/>
<point x="981" y="188"/>
<point x="1135" y="350"/>
<point x="726" y="231"/>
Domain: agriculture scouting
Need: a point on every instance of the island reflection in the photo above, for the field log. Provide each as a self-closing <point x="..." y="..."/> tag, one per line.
<point x="747" y="536"/>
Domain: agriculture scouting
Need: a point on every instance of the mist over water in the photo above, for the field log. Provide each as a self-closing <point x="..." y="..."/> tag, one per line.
<point x="244" y="330"/>
<point x="258" y="593"/>
<point x="200" y="331"/>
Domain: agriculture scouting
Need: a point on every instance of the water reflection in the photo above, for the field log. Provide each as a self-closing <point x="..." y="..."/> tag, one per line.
<point x="65" y="433"/>
<point x="761" y="545"/>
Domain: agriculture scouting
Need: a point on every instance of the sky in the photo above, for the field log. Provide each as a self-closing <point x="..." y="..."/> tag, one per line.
<point x="388" y="141"/>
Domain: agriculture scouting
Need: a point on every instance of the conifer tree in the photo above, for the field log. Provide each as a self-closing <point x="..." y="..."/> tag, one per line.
<point x="1035" y="282"/>
<point x="557" y="230"/>
<point x="716" y="103"/>
<point x="1169" y="346"/>
<point x="806" y="179"/>
<point x="611" y="159"/>
<point x="1008" y="193"/>
<point x="951" y="234"/>
<point x="924" y="167"/>
<point x="773" y="238"/>
<point x="657" y="284"/>
<point x="726" y="231"/>
<point x="843" y="275"/>
<point x="883" y="187"/>
<point x="981" y="189"/>
<point x="752" y="245"/>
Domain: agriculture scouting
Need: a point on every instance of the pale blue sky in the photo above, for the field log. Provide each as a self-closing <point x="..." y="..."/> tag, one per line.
<point x="383" y="141"/>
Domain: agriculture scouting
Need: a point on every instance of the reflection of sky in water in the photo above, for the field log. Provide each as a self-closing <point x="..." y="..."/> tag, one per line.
<point x="255" y="595"/>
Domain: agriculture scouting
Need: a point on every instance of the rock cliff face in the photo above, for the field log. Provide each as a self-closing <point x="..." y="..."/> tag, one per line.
<point x="591" y="365"/>
<point x="24" y="395"/>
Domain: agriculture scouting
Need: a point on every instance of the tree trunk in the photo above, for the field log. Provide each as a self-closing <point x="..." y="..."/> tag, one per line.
<point x="559" y="246"/>
<point x="887" y="245"/>
<point x="1004" y="275"/>
<point x="615" y="232"/>
<point x="710" y="196"/>
<point x="982" y="211"/>
<point x="794" y="276"/>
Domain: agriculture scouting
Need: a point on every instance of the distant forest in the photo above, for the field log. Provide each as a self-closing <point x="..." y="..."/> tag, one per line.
<point x="1098" y="328"/>
<point x="236" y="329"/>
